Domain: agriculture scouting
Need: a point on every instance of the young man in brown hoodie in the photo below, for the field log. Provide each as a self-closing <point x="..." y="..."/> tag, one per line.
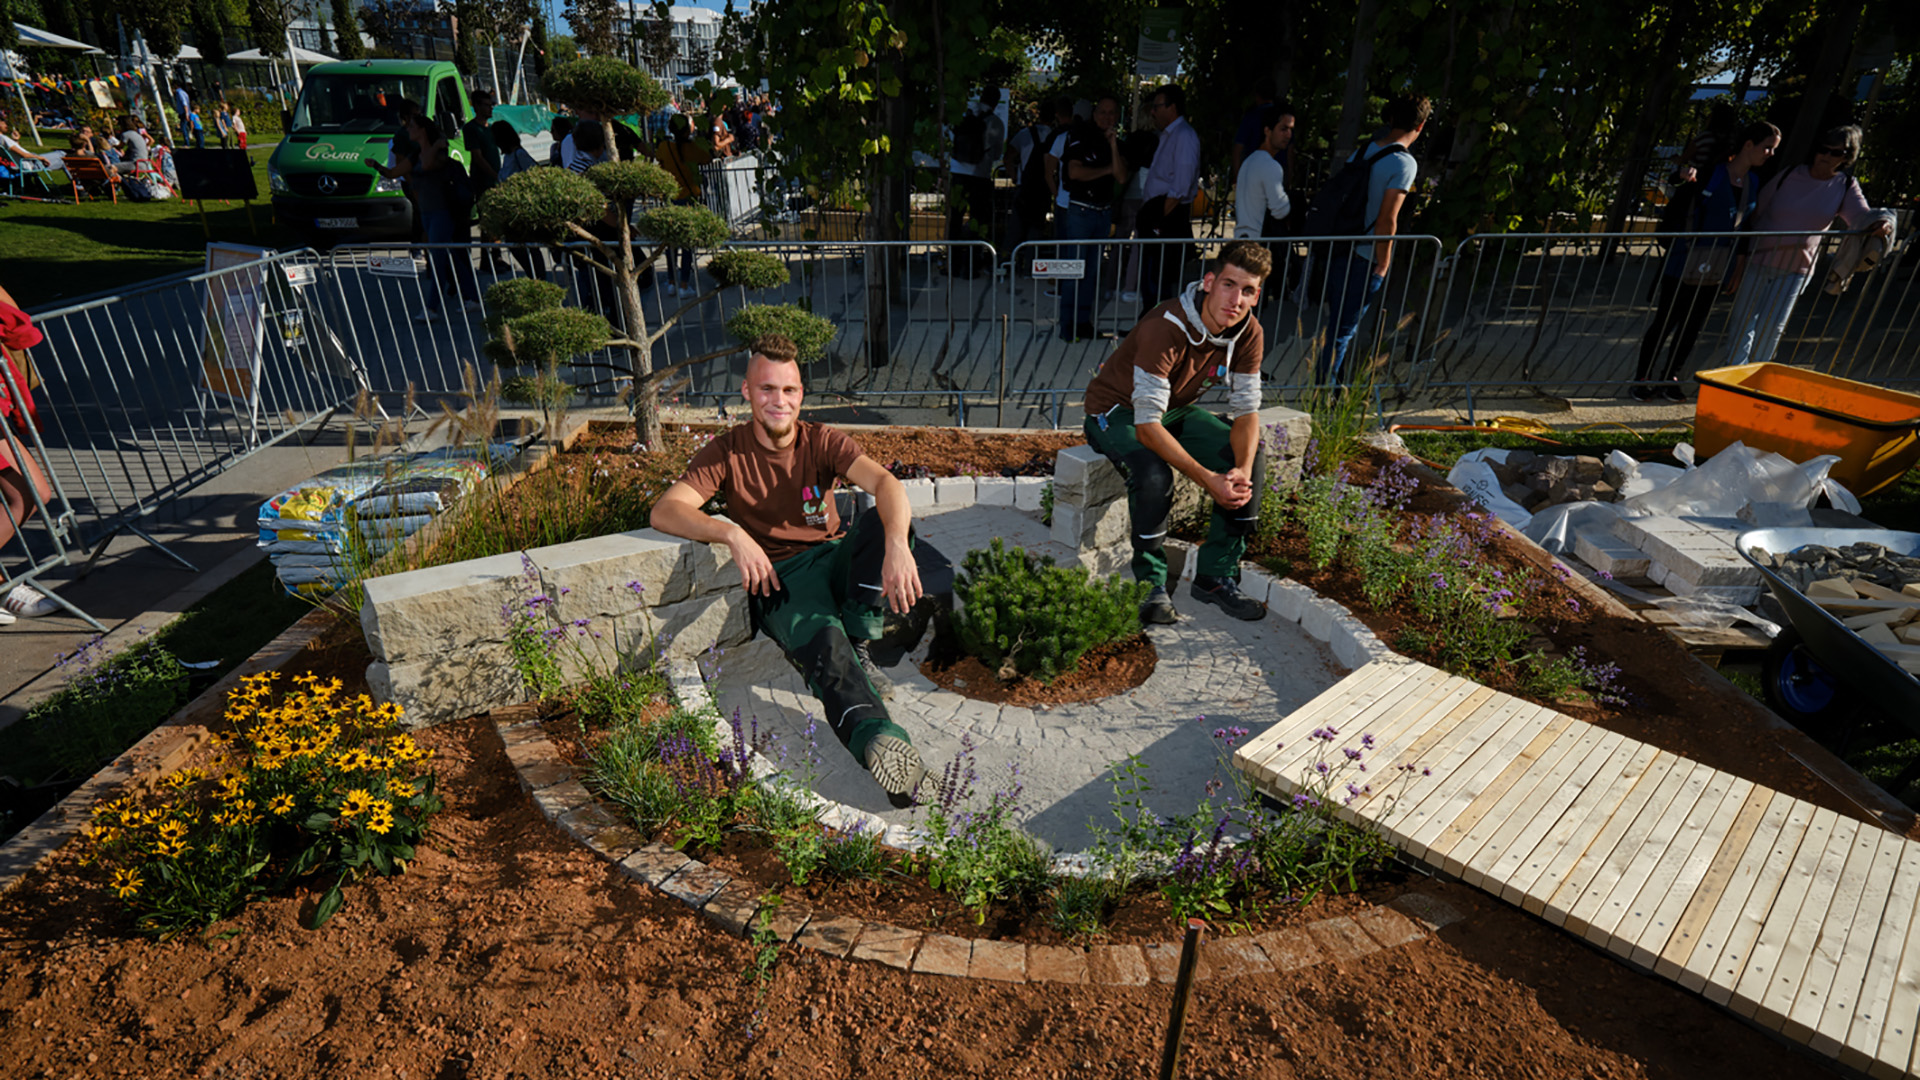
<point x="1141" y="415"/>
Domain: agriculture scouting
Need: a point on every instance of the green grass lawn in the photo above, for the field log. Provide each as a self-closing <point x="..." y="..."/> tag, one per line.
<point x="59" y="251"/>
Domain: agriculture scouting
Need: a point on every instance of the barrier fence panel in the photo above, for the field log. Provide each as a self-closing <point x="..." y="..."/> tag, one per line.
<point x="36" y="521"/>
<point x="1583" y="313"/>
<point x="148" y="394"/>
<point x="909" y="330"/>
<point x="1071" y="302"/>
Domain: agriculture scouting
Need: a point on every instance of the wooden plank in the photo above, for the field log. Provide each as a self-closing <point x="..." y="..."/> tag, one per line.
<point x="1825" y="1028"/>
<point x="1381" y="692"/>
<point x="1643" y="929"/>
<point x="1403" y="710"/>
<point x="1377" y="675"/>
<point x="1699" y="884"/>
<point x="1826" y="838"/>
<point x="1836" y="887"/>
<point x="1466" y="833"/>
<point x="1436" y="731"/>
<point x="1504" y="854"/>
<point x="1522" y="802"/>
<point x="1715" y="966"/>
<point x="1574" y="868"/>
<point x="1670" y="841"/>
<point x="1454" y="747"/>
<point x="1455" y="793"/>
<point x="1578" y="902"/>
<point x="1862" y="1039"/>
<point x="1534" y="882"/>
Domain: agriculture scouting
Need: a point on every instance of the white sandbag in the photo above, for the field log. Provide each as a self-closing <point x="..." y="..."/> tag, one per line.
<point x="1474" y="476"/>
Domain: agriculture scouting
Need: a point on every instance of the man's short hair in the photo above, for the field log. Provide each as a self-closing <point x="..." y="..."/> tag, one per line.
<point x="1406" y="113"/>
<point x="1174" y="96"/>
<point x="1254" y="258"/>
<point x="1271" y="115"/>
<point x="778" y="348"/>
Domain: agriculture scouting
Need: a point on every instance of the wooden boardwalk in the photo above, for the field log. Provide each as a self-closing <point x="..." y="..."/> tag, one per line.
<point x="1784" y="912"/>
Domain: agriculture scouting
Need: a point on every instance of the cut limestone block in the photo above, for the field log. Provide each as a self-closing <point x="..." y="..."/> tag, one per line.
<point x="1741" y="595"/>
<point x="1879" y="634"/>
<point x="993" y="490"/>
<point x="1608" y="553"/>
<point x="954" y="491"/>
<point x="919" y="492"/>
<point x="1697" y="566"/>
<point x="1833" y="586"/>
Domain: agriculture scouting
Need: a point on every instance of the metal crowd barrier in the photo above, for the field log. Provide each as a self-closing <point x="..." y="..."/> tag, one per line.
<point x="148" y="394"/>
<point x="1114" y="283"/>
<point x="39" y="523"/>
<point x="1570" y="314"/>
<point x="911" y="318"/>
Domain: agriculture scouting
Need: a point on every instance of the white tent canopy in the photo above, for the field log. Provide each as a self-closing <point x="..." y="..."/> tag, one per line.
<point x="305" y="56"/>
<point x="44" y="40"/>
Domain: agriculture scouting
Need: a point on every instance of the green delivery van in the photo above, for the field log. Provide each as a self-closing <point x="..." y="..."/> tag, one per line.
<point x="321" y="185"/>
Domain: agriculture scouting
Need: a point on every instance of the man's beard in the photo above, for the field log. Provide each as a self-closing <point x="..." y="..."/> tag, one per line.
<point x="776" y="433"/>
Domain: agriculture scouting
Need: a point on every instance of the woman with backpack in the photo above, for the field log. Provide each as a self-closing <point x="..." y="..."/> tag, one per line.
<point x="1697" y="270"/>
<point x="1806" y="198"/>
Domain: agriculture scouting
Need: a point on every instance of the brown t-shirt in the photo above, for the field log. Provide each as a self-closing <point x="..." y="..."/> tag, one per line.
<point x="783" y="498"/>
<point x="1160" y="346"/>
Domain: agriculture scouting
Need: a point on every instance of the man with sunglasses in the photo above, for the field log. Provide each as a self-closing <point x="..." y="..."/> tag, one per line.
<point x="1769" y="278"/>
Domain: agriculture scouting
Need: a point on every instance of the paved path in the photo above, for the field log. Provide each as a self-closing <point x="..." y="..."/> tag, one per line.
<point x="1789" y="914"/>
<point x="1233" y="673"/>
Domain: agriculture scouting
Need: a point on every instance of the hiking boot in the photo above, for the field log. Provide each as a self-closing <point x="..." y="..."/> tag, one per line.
<point x="881" y="684"/>
<point x="1158" y="608"/>
<point x="895" y="765"/>
<point x="1225" y="594"/>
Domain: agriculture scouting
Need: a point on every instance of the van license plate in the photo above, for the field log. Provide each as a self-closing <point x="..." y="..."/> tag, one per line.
<point x="337" y="223"/>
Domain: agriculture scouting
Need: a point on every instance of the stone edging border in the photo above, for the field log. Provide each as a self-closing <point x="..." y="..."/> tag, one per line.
<point x="734" y="906"/>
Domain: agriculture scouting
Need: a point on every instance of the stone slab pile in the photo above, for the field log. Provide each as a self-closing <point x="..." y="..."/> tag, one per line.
<point x="1691" y="556"/>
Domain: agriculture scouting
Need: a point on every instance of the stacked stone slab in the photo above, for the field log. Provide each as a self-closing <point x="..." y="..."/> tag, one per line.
<point x="1691" y="556"/>
<point x="1090" y="496"/>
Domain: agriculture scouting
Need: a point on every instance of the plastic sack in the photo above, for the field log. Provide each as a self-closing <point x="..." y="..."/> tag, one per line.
<point x="1726" y="484"/>
<point x="1474" y="476"/>
<point x="1705" y="613"/>
<point x="1555" y="527"/>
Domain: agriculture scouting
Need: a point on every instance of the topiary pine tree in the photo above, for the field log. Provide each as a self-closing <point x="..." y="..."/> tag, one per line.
<point x="558" y="206"/>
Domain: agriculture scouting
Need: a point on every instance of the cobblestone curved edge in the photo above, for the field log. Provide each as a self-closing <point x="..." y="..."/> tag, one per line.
<point x="735" y="905"/>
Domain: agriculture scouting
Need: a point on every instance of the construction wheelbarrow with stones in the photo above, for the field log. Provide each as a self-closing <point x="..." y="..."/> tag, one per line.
<point x="1820" y="673"/>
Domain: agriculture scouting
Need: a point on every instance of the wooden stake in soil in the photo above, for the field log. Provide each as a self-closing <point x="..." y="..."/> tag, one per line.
<point x="1182" y="990"/>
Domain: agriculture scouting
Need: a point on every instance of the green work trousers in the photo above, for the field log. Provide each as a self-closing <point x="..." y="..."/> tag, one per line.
<point x="1149" y="478"/>
<point x="828" y="595"/>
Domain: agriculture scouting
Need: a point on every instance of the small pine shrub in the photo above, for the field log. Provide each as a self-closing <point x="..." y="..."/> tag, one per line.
<point x="1022" y="615"/>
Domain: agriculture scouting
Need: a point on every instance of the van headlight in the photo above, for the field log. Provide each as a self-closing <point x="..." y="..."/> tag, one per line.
<point x="277" y="183"/>
<point x="387" y="184"/>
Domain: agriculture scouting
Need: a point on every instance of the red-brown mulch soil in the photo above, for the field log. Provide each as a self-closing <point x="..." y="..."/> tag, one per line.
<point x="509" y="951"/>
<point x="1105" y="670"/>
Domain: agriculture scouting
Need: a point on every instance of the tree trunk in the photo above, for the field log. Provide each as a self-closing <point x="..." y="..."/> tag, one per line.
<point x="1360" y="59"/>
<point x="646" y="397"/>
<point x="1810" y="121"/>
<point x="1667" y="69"/>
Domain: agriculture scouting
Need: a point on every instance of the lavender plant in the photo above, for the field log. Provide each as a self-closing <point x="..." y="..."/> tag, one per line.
<point x="978" y="854"/>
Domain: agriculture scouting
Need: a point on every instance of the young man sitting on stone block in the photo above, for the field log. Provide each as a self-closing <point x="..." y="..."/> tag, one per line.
<point x="1141" y="415"/>
<point x="813" y="589"/>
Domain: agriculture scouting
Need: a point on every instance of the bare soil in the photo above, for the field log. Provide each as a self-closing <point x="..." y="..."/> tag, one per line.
<point x="1105" y="670"/>
<point x="509" y="951"/>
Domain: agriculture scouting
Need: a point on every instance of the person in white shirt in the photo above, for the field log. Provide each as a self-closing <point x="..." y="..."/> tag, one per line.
<point x="1260" y="204"/>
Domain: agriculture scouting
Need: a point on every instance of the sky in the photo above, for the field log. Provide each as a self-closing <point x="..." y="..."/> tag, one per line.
<point x="557" y="11"/>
